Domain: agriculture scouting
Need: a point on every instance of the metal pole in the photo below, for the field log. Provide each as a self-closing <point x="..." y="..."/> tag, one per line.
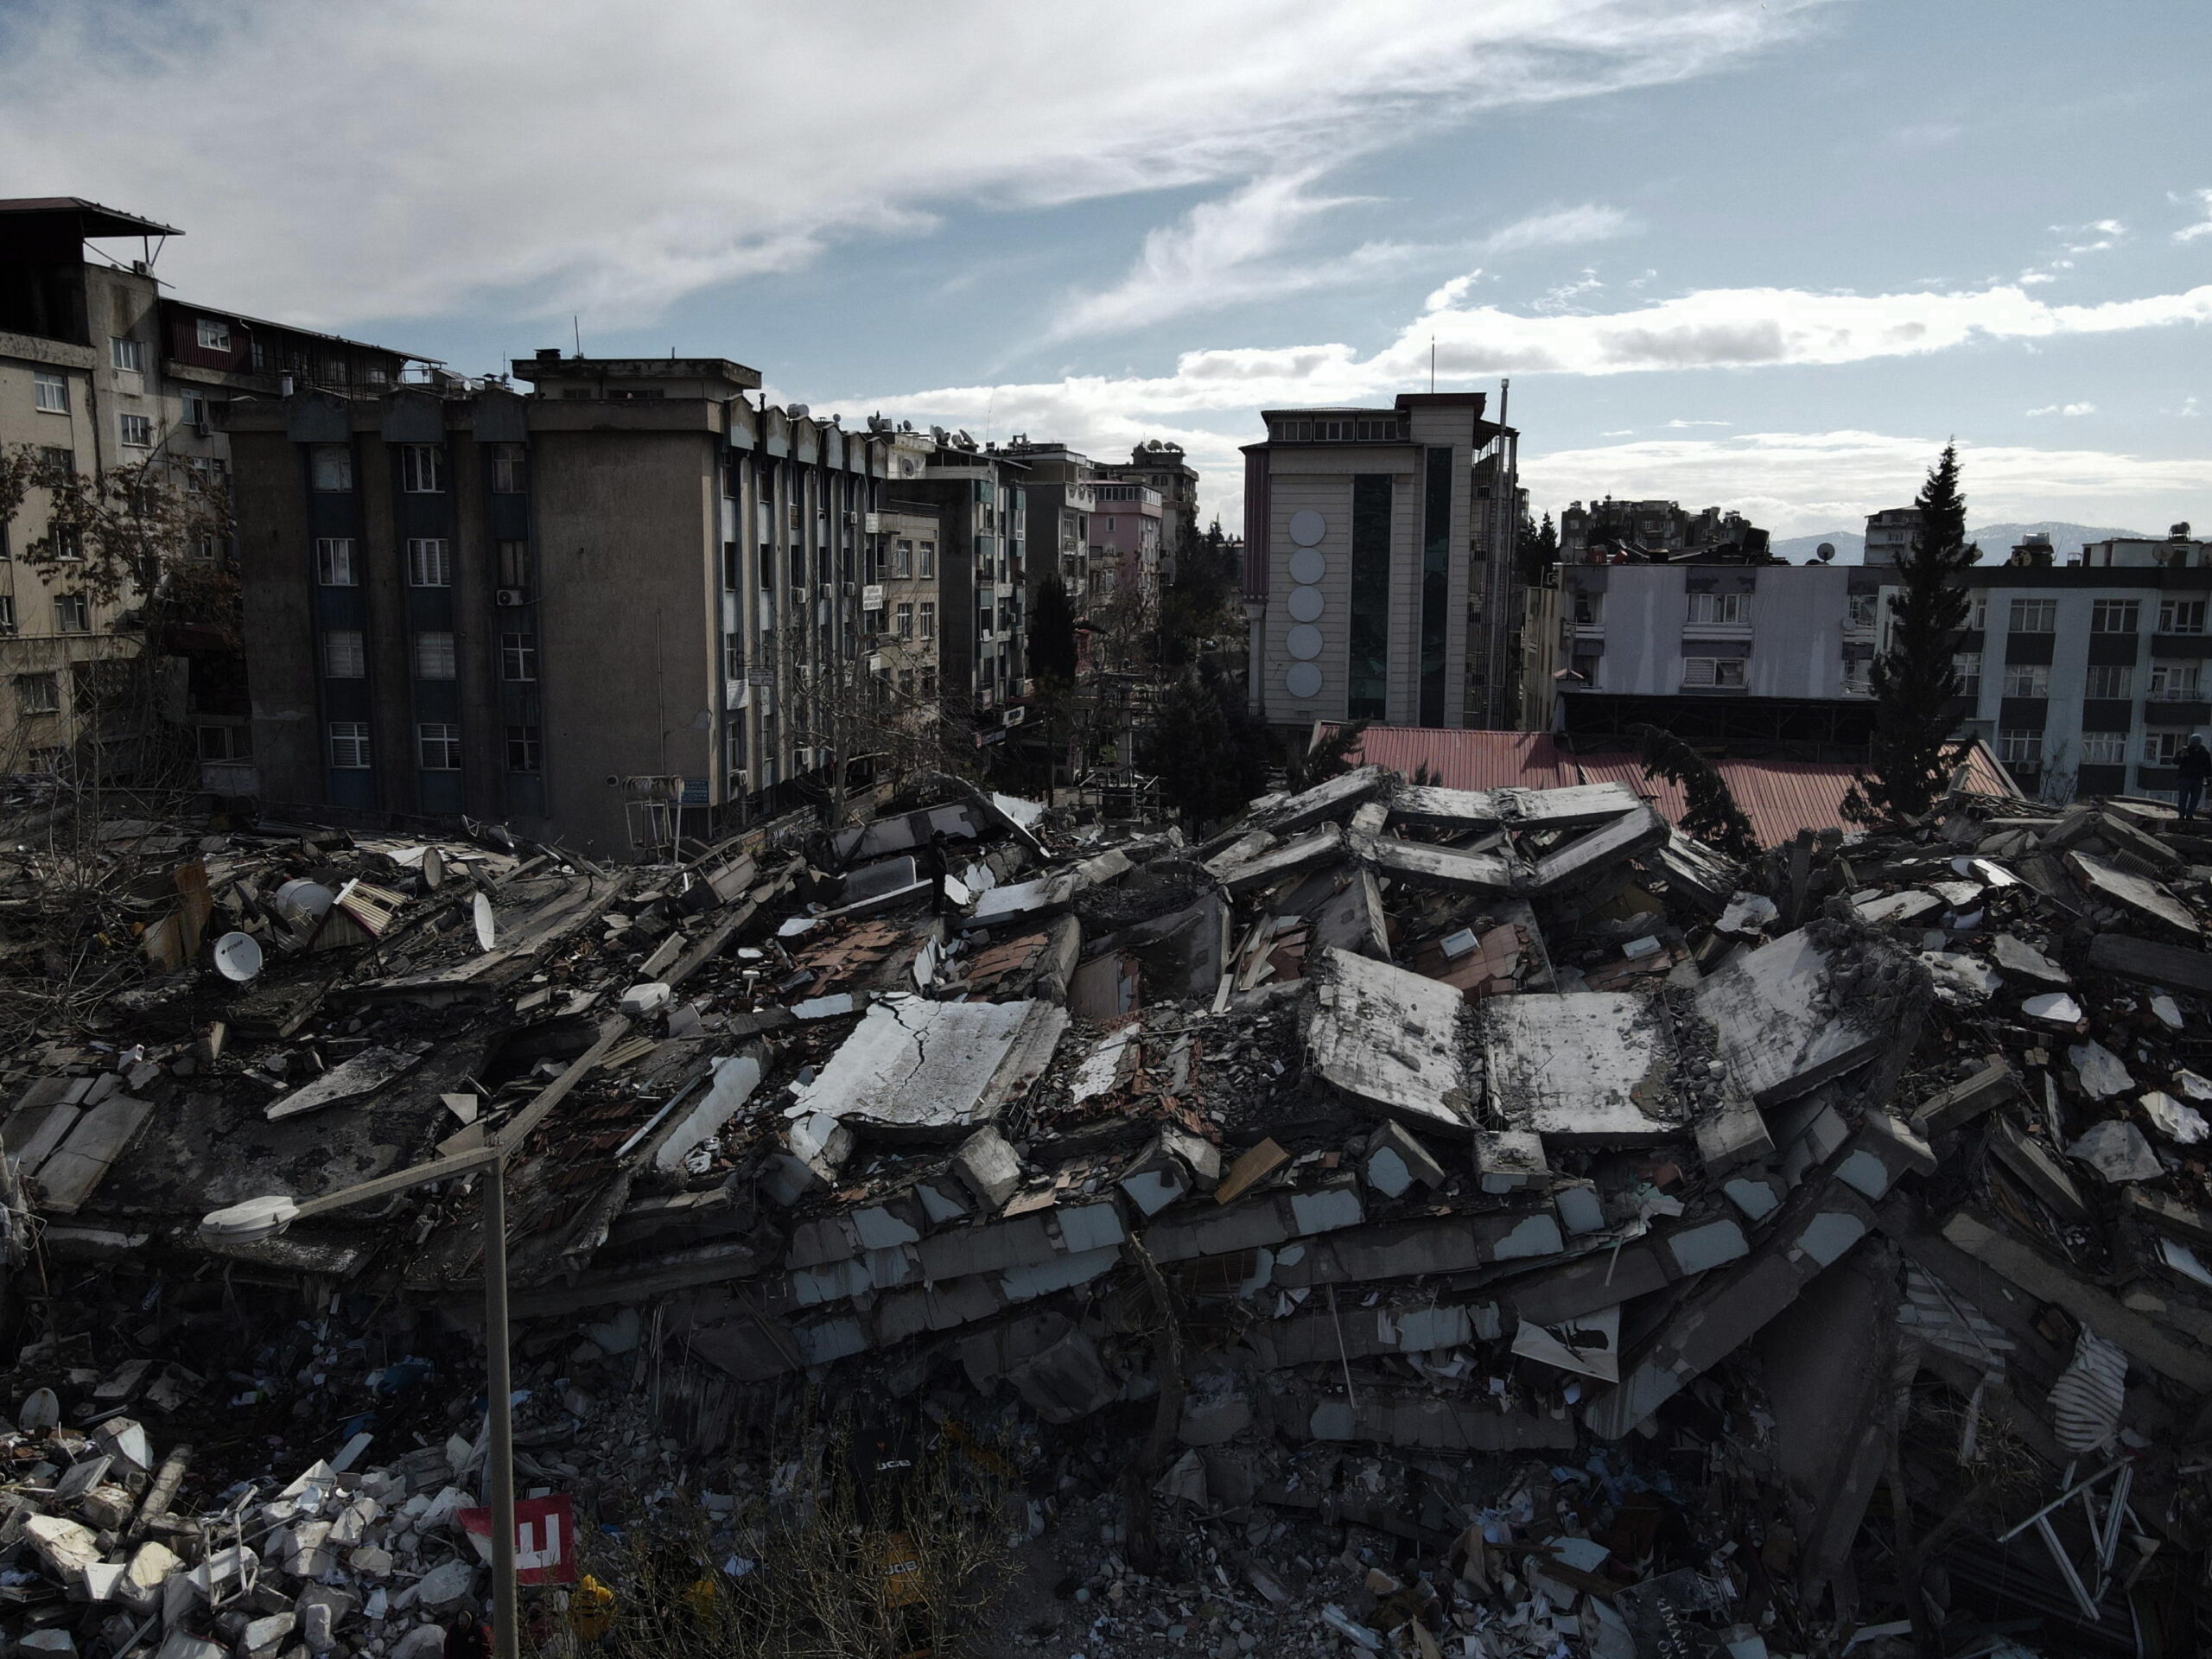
<point x="506" y="1636"/>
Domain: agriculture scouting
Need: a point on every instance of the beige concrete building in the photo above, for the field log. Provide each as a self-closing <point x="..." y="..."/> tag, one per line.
<point x="101" y="368"/>
<point x="902" y="608"/>
<point x="1374" y="564"/>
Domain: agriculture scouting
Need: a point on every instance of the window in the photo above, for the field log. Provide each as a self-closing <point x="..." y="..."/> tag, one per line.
<point x="926" y="567"/>
<point x="128" y="356"/>
<point x="906" y="683"/>
<point x="135" y="431"/>
<point x="514" y="565"/>
<point x="224" y="742"/>
<point x="2020" y="748"/>
<point x="332" y="467"/>
<point x="72" y="615"/>
<point x="902" y="558"/>
<point x="2034" y="616"/>
<point x="38" y="693"/>
<point x="57" y="459"/>
<point x="798" y="564"/>
<point x="2027" y="679"/>
<point x="50" y="392"/>
<point x="343" y="655"/>
<point x="422" y="469"/>
<point x="66" y="541"/>
<point x="2104" y="748"/>
<point x="2173" y="681"/>
<point x="518" y="657"/>
<point x="905" y="613"/>
<point x="2180" y="616"/>
<point x="349" y="745"/>
<point x="1967" y="665"/>
<point x="732" y="567"/>
<point x="1861" y="609"/>
<point x="1719" y="610"/>
<point x="929" y="618"/>
<point x="508" y="476"/>
<point x="433" y="656"/>
<point x="7" y="614"/>
<point x="734" y="658"/>
<point x="438" y="744"/>
<point x="333" y="561"/>
<point x="214" y="336"/>
<point x="2159" y="748"/>
<point x="1977" y="620"/>
<point x="429" y="562"/>
<point x="2115" y="615"/>
<point x="1856" y="670"/>
<point x="2111" y="680"/>
<point x="929" y="683"/>
<point x="522" y="748"/>
<point x="1724" y="671"/>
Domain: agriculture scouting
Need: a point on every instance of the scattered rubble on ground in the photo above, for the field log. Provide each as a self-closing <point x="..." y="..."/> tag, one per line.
<point x="1413" y="1221"/>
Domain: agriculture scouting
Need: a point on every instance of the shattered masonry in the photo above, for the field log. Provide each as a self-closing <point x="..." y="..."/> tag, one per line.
<point x="1567" y="1234"/>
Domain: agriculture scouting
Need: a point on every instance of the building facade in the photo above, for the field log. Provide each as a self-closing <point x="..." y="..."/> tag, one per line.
<point x="981" y="501"/>
<point x="623" y="605"/>
<point x="1638" y="641"/>
<point x="2088" y="678"/>
<point x="899" y="608"/>
<point x="1889" y="533"/>
<point x="100" y="368"/>
<point x="1160" y="466"/>
<point x="1377" y="569"/>
<point x="1654" y="529"/>
<point x="1128" y="527"/>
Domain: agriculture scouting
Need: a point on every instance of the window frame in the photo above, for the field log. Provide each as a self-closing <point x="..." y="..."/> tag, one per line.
<point x="348" y="737"/>
<point x="2106" y="673"/>
<point x="127" y="424"/>
<point x="211" y="334"/>
<point x="2035" y="677"/>
<point x="52" y="683"/>
<point x="334" y="562"/>
<point x="518" y="656"/>
<point x="2175" y="683"/>
<point x="1715" y="679"/>
<point x="423" y="469"/>
<point x="2041" y="616"/>
<point x="341" y="456"/>
<point x="126" y="355"/>
<point x="2171" y="613"/>
<point x="436" y="648"/>
<point x="2029" y="743"/>
<point x="419" y="561"/>
<point x="439" y="736"/>
<point x="531" y="745"/>
<point x="47" y="384"/>
<point x="510" y="469"/>
<point x="2110" y="750"/>
<point x="345" y="654"/>
<point x="2103" y="613"/>
<point x="76" y="605"/>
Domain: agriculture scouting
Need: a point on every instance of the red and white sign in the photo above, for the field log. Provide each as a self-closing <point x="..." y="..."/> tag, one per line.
<point x="545" y="1538"/>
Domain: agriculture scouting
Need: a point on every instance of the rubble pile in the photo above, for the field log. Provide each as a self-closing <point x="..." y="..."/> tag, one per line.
<point x="1414" y="1220"/>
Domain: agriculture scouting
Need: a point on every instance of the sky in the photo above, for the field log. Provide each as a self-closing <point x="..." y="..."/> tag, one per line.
<point x="1768" y="256"/>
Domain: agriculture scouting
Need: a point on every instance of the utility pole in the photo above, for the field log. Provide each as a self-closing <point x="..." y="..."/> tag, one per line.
<point x="506" y="1634"/>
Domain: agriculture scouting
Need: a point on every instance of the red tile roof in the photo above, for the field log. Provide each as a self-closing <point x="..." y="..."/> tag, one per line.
<point x="1779" y="797"/>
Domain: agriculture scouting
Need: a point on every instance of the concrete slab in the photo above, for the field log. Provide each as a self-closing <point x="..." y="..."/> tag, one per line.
<point x="1392" y="1039"/>
<point x="74" y="1169"/>
<point x="1591" y="1066"/>
<point x="1775" y="1033"/>
<point x="918" y="1072"/>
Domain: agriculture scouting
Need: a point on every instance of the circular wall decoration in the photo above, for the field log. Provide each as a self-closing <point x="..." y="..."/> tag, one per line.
<point x="1305" y="604"/>
<point x="1306" y="565"/>
<point x="1303" y="642"/>
<point x="1304" y="680"/>
<point x="1307" y="526"/>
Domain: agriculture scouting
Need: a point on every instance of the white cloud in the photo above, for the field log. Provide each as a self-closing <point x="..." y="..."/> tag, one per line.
<point x="1796" y="482"/>
<point x="416" y="157"/>
<point x="2203" y="227"/>
<point x="2064" y="409"/>
<point x="1563" y="227"/>
<point x="1563" y="295"/>
<point x="1679" y="424"/>
<point x="2187" y="412"/>
<point x="1225" y="253"/>
<point x="2095" y="237"/>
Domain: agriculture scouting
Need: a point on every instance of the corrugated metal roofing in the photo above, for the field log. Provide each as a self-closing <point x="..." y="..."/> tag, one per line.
<point x="1779" y="797"/>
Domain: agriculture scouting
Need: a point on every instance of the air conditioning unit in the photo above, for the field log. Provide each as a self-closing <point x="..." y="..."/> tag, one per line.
<point x="202" y="427"/>
<point x="511" y="596"/>
<point x="851" y="518"/>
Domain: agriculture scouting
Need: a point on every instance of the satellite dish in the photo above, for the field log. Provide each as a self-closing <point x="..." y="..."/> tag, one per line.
<point x="1825" y="552"/>
<point x="434" y="868"/>
<point x="238" y="958"/>
<point x="486" y="930"/>
<point x="304" y="901"/>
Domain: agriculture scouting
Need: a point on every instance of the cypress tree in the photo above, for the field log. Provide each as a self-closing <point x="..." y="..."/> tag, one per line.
<point x="1712" y="815"/>
<point x="1052" y="634"/>
<point x="1912" y="754"/>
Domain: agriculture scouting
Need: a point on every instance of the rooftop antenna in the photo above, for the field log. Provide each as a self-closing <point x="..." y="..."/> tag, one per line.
<point x="576" y="321"/>
<point x="1432" y="362"/>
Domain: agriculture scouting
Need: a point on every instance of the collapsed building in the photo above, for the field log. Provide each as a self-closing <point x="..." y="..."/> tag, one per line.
<point x="1465" y="1221"/>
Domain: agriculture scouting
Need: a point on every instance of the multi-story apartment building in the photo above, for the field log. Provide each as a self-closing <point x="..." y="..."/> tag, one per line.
<point x="1127" y="531"/>
<point x="1378" y="565"/>
<point x="1062" y="496"/>
<point x="980" y="497"/>
<point x="623" y="606"/>
<point x="1653" y="529"/>
<point x="100" y="368"/>
<point x="1889" y="533"/>
<point x="1158" y="465"/>
<point x="2089" y="677"/>
<point x="1719" y="648"/>
<point x="900" y="609"/>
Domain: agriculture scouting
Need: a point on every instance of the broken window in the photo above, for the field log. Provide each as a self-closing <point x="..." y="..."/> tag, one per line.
<point x="38" y="693"/>
<point x="438" y="744"/>
<point x="349" y="744"/>
<point x="343" y="656"/>
<point x="1861" y="610"/>
<point x="2027" y="679"/>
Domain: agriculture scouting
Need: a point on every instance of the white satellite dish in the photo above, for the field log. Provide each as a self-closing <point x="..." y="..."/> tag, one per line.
<point x="238" y="958"/>
<point x="434" y="868"/>
<point x="302" y="900"/>
<point x="486" y="930"/>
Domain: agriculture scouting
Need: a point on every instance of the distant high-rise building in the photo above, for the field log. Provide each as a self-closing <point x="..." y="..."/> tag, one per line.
<point x="1889" y="533"/>
<point x="1652" y="529"/>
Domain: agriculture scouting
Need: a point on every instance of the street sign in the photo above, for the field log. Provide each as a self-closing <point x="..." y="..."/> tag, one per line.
<point x="545" y="1538"/>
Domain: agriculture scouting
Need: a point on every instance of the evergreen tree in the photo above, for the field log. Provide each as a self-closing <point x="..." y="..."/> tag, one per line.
<point x="1052" y="634"/>
<point x="1208" y="762"/>
<point x="1912" y="754"/>
<point x="1712" y="815"/>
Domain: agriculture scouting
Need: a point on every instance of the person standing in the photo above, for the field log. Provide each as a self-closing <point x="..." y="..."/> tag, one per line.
<point x="936" y="864"/>
<point x="2194" y="766"/>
